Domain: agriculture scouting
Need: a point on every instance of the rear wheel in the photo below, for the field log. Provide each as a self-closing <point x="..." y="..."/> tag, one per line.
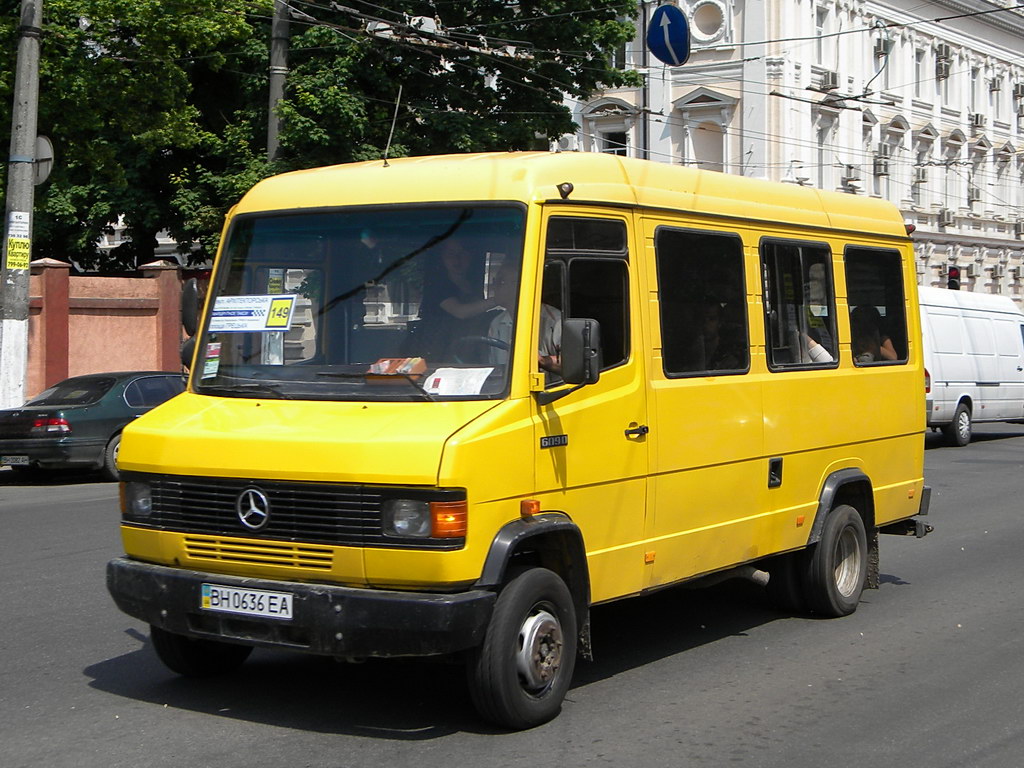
<point x="836" y="567"/>
<point x="110" y="458"/>
<point x="520" y="675"/>
<point x="196" y="658"/>
<point x="958" y="432"/>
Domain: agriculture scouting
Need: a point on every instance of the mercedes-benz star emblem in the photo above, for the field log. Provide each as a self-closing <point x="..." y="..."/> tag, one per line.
<point x="253" y="508"/>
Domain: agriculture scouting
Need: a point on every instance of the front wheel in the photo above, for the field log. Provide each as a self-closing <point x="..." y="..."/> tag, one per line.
<point x="520" y="675"/>
<point x="836" y="567"/>
<point x="196" y="658"/>
<point x="958" y="432"/>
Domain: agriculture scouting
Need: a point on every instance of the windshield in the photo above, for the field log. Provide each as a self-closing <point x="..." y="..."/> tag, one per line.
<point x="74" y="392"/>
<point x="365" y="304"/>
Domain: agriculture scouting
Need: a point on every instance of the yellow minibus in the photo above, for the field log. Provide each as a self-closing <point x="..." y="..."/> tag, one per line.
<point x="443" y="406"/>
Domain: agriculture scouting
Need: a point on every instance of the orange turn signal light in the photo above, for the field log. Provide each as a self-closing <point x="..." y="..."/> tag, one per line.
<point x="529" y="508"/>
<point x="449" y="519"/>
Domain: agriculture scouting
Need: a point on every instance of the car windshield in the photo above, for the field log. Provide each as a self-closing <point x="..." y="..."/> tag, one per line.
<point x="74" y="392"/>
<point x="381" y="303"/>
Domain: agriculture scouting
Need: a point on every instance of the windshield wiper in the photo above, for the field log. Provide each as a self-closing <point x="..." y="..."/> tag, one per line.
<point x="406" y="376"/>
<point x="245" y="388"/>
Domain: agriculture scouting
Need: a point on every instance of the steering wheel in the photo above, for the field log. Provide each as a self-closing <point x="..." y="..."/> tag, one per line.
<point x="464" y="341"/>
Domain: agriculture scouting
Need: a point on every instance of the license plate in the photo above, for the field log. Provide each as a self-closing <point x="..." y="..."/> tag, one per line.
<point x="14" y="461"/>
<point x="246" y="602"/>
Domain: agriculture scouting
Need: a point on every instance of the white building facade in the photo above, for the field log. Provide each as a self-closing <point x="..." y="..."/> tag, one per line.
<point x="918" y="103"/>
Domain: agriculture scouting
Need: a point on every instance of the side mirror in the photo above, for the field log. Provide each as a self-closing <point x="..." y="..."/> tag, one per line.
<point x="190" y="307"/>
<point x="188" y="351"/>
<point x="581" y="350"/>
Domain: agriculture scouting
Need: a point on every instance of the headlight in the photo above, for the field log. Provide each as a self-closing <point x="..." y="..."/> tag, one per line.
<point x="405" y="517"/>
<point x="136" y="501"/>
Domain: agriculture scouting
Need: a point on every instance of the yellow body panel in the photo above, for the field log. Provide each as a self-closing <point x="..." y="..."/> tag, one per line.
<point x="689" y="498"/>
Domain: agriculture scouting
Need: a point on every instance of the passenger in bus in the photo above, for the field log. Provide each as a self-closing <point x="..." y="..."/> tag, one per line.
<point x="453" y="302"/>
<point x="722" y="341"/>
<point x="870" y="344"/>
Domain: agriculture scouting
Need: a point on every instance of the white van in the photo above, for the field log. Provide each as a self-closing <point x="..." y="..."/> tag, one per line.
<point x="973" y="358"/>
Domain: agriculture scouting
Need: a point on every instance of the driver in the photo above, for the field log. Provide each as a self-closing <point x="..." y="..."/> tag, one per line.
<point x="550" y="341"/>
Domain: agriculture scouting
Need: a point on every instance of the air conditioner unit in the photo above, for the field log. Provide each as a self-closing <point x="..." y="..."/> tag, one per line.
<point x="1013" y="273"/>
<point x="941" y="69"/>
<point x="920" y="175"/>
<point x="883" y="47"/>
<point x="1018" y="90"/>
<point x="977" y="120"/>
<point x="970" y="269"/>
<point x="998" y="270"/>
<point x="973" y="193"/>
<point x="1018" y="228"/>
<point x="881" y="166"/>
<point x="1020" y="110"/>
<point x="829" y="80"/>
<point x="945" y="218"/>
<point x="995" y="84"/>
<point x="943" y="51"/>
<point x="884" y="150"/>
<point x="851" y="173"/>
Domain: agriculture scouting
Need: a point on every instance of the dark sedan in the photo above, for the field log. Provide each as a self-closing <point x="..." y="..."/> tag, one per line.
<point x="78" y="422"/>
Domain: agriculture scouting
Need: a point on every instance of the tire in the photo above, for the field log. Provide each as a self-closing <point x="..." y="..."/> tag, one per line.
<point x="511" y="686"/>
<point x="837" y="566"/>
<point x="110" y="458"/>
<point x="785" y="588"/>
<point x="958" y="431"/>
<point x="197" y="658"/>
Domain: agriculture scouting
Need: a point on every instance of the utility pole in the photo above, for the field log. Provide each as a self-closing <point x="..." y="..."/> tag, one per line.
<point x="17" y="243"/>
<point x="278" y="72"/>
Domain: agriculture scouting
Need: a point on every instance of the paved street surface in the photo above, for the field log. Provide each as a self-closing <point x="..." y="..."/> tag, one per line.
<point x="928" y="672"/>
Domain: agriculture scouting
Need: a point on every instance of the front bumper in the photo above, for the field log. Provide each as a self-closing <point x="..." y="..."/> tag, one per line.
<point x="328" y="619"/>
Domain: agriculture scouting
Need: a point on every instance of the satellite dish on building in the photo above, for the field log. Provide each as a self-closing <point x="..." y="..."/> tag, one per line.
<point x="44" y="159"/>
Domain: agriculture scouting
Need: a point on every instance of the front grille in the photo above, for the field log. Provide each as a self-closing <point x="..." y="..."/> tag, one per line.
<point x="262" y="553"/>
<point x="307" y="513"/>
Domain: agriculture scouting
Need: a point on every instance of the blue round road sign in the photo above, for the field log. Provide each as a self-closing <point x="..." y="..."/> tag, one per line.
<point x="668" y="37"/>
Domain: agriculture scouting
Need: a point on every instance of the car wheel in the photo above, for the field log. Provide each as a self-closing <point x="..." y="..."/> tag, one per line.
<point x="196" y="658"/>
<point x="519" y="677"/>
<point x="110" y="458"/>
<point x="958" y="432"/>
<point x="836" y="567"/>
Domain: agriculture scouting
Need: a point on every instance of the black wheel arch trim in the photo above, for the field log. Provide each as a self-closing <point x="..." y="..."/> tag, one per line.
<point x="826" y="499"/>
<point x="549" y="527"/>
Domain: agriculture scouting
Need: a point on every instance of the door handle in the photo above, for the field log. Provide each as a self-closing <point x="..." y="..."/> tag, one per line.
<point x="640" y="431"/>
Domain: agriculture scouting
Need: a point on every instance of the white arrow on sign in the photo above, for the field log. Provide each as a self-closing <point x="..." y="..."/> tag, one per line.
<point x="665" y="22"/>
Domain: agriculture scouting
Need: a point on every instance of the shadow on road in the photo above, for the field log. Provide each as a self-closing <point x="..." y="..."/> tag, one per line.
<point x="409" y="700"/>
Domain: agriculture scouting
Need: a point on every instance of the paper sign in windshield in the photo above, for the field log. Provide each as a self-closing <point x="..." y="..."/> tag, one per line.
<point x="252" y="314"/>
<point x="456" y="381"/>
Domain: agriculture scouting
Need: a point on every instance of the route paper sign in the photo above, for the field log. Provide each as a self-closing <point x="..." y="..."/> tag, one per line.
<point x="248" y="314"/>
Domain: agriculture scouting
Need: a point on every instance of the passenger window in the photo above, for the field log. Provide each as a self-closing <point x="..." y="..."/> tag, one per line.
<point x="799" y="305"/>
<point x="586" y="274"/>
<point x="878" y="323"/>
<point x="702" y="300"/>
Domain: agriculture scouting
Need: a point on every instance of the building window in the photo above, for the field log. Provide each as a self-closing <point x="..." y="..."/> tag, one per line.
<point x="613" y="143"/>
<point x="919" y="73"/>
<point x="822" y="48"/>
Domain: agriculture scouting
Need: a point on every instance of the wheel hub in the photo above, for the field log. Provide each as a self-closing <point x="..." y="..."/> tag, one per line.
<point x="540" y="649"/>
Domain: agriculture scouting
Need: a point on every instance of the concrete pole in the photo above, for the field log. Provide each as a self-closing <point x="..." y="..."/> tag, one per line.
<point x="17" y="243"/>
<point x="278" y="73"/>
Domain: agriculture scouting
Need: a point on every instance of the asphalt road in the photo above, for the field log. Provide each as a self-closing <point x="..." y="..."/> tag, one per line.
<point x="927" y="672"/>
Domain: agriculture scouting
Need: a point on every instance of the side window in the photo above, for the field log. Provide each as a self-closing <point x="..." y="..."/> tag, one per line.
<point x="799" y="302"/>
<point x="878" y="322"/>
<point x="133" y="395"/>
<point x="586" y="274"/>
<point x="702" y="300"/>
<point x="149" y="392"/>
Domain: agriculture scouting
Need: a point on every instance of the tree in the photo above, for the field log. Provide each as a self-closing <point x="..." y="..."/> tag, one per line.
<point x="158" y="108"/>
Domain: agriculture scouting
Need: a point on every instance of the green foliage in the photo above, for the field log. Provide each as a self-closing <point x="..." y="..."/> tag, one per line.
<point x="158" y="108"/>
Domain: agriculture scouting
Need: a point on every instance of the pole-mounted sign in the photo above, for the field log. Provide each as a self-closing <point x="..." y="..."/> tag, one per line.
<point x="668" y="36"/>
